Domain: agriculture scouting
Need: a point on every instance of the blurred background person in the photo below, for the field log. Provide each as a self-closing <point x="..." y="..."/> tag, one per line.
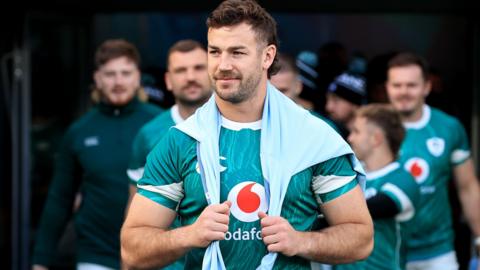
<point x="187" y="79"/>
<point x="92" y="160"/>
<point x="306" y="63"/>
<point x="436" y="146"/>
<point x="288" y="81"/>
<point x="391" y="192"/>
<point x="345" y="95"/>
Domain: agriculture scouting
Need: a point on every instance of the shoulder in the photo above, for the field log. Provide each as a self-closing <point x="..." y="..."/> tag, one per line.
<point x="404" y="181"/>
<point x="178" y="139"/>
<point x="85" y="121"/>
<point x="160" y="122"/>
<point x="149" y="109"/>
<point x="439" y="117"/>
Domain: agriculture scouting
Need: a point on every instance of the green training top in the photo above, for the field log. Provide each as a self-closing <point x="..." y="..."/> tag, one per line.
<point x="92" y="159"/>
<point x="148" y="136"/>
<point x="433" y="146"/>
<point x="390" y="233"/>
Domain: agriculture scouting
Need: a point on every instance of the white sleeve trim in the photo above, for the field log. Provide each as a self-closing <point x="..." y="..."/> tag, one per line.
<point x="325" y="183"/>
<point x="459" y="156"/>
<point x="407" y="210"/>
<point x="135" y="174"/>
<point x="173" y="191"/>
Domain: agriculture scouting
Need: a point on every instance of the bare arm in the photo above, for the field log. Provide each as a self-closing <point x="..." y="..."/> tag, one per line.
<point x="146" y="241"/>
<point x="349" y="237"/>
<point x="469" y="194"/>
<point x="132" y="190"/>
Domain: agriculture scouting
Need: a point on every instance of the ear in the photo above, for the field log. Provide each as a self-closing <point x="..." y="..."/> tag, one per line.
<point x="168" y="82"/>
<point x="269" y="55"/>
<point x="139" y="79"/>
<point x="96" y="78"/>
<point x="377" y="136"/>
<point x="428" y="88"/>
<point x="298" y="87"/>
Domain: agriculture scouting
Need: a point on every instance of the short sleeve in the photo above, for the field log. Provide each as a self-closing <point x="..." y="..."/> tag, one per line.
<point x="333" y="178"/>
<point x="404" y="191"/>
<point x="161" y="181"/>
<point x="460" y="146"/>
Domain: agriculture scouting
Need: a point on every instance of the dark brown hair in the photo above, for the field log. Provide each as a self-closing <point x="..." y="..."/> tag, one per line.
<point x="184" y="46"/>
<point x="234" y="12"/>
<point x="388" y="119"/>
<point x="404" y="59"/>
<point x="115" y="48"/>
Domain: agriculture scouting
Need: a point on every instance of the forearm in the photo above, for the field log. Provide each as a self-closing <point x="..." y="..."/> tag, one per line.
<point x="470" y="199"/>
<point x="54" y="218"/>
<point x="150" y="247"/>
<point x="52" y="224"/>
<point x="343" y="243"/>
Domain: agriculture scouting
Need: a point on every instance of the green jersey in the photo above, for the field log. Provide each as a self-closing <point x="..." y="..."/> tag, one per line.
<point x="148" y="136"/>
<point x="388" y="253"/>
<point x="146" y="139"/>
<point x="432" y="147"/>
<point x="172" y="179"/>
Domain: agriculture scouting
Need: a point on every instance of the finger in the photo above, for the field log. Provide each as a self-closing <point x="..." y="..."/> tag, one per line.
<point x="271" y="239"/>
<point x="220" y="218"/>
<point x="221" y="208"/>
<point x="229" y="203"/>
<point x="212" y="236"/>
<point x="269" y="230"/>
<point x="262" y="214"/>
<point x="277" y="247"/>
<point x="218" y="227"/>
<point x="269" y="221"/>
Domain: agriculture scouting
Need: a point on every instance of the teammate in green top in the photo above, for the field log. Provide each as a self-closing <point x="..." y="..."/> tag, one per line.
<point x="92" y="159"/>
<point x="391" y="192"/>
<point x="435" y="146"/>
<point x="187" y="79"/>
<point x="242" y="48"/>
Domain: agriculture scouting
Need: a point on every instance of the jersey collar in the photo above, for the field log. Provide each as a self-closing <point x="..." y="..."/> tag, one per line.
<point x="175" y="114"/>
<point x="236" y="126"/>
<point x="422" y="122"/>
<point x="383" y="171"/>
<point x="118" y="111"/>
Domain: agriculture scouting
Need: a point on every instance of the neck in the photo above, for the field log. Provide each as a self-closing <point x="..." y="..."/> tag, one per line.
<point x="379" y="158"/>
<point x="304" y="103"/>
<point x="249" y="110"/>
<point x="414" y="116"/>
<point x="186" y="111"/>
<point x="349" y="124"/>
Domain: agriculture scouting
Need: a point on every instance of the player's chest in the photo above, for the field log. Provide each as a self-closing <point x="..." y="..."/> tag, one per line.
<point x="423" y="154"/>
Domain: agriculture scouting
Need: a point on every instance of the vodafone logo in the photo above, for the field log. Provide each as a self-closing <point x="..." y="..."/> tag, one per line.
<point x="248" y="198"/>
<point x="418" y="168"/>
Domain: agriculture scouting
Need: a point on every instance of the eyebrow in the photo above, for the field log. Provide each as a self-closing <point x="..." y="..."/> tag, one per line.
<point x="229" y="48"/>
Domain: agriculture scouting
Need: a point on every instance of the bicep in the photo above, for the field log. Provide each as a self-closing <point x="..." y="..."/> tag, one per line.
<point x="351" y="207"/>
<point x="464" y="174"/>
<point x="144" y="212"/>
